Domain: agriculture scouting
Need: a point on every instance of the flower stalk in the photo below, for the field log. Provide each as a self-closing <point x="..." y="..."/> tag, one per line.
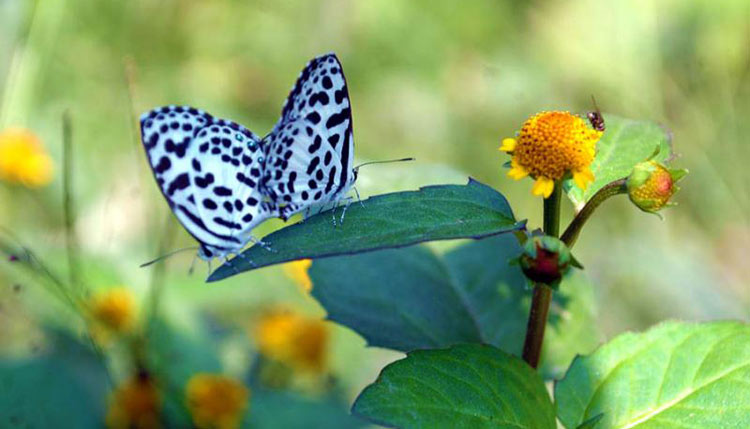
<point x="532" y="347"/>
<point x="571" y="233"/>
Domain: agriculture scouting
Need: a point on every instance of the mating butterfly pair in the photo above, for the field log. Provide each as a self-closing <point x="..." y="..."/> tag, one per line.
<point x="221" y="180"/>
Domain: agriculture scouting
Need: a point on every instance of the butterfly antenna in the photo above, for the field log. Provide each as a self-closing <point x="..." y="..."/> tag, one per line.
<point x="384" y="162"/>
<point x="146" y="264"/>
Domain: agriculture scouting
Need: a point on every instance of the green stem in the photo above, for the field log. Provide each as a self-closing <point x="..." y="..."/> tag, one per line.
<point x="532" y="347"/>
<point x="71" y="241"/>
<point x="552" y="211"/>
<point x="156" y="288"/>
<point x="571" y="233"/>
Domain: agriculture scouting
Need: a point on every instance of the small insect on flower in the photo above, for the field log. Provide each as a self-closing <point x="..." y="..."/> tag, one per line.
<point x="550" y="147"/>
<point x="595" y="117"/>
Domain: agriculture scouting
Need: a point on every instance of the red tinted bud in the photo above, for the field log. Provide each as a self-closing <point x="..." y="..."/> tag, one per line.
<point x="651" y="185"/>
<point x="545" y="260"/>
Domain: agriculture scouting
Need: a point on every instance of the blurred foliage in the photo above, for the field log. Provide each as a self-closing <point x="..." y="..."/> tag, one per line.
<point x="432" y="80"/>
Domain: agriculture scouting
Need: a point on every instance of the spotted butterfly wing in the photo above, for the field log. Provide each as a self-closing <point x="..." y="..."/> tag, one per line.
<point x="208" y="170"/>
<point x="310" y="150"/>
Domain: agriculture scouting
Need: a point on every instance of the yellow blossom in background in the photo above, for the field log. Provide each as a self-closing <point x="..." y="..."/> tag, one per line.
<point x="135" y="404"/>
<point x="23" y="158"/>
<point x="114" y="309"/>
<point x="216" y="401"/>
<point x="550" y="146"/>
<point x="297" y="271"/>
<point x="297" y="341"/>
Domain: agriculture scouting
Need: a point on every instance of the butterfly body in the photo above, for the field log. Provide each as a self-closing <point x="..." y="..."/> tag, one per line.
<point x="221" y="180"/>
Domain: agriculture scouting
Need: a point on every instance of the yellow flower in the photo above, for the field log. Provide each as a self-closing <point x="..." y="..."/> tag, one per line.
<point x="135" y="404"/>
<point x="216" y="401"/>
<point x="550" y="146"/>
<point x="114" y="309"/>
<point x="297" y="271"/>
<point x="294" y="340"/>
<point x="23" y="158"/>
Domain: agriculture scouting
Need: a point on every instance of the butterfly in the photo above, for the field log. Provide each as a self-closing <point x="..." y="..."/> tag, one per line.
<point x="221" y="180"/>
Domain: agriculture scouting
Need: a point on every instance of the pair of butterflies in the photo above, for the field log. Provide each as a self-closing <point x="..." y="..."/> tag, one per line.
<point x="221" y="180"/>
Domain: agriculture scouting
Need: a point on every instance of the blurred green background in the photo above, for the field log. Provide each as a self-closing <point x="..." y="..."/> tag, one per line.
<point x="442" y="81"/>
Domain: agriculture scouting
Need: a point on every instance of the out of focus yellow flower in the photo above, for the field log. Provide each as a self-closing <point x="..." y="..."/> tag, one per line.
<point x="135" y="404"/>
<point x="114" y="309"/>
<point x="216" y="401"/>
<point x="23" y="158"/>
<point x="297" y="341"/>
<point x="297" y="271"/>
<point x="550" y="146"/>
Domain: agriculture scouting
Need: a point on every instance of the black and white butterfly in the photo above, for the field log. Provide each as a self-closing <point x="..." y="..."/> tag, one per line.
<point x="221" y="180"/>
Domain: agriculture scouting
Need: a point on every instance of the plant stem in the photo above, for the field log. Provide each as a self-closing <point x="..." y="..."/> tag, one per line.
<point x="156" y="287"/>
<point x="532" y="347"/>
<point x="71" y="241"/>
<point x="570" y="235"/>
<point x="552" y="211"/>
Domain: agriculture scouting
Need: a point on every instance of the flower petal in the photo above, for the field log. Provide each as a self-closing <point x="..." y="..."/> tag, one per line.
<point x="517" y="172"/>
<point x="543" y="187"/>
<point x="583" y="178"/>
<point x="508" y="145"/>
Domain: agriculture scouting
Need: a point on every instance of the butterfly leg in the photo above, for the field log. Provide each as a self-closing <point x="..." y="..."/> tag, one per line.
<point x="333" y="213"/>
<point x="260" y="243"/>
<point x="192" y="265"/>
<point x="359" y="200"/>
<point x="245" y="258"/>
<point x="343" y="213"/>
<point x="229" y="263"/>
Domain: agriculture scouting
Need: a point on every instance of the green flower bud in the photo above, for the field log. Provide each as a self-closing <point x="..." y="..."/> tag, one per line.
<point x="546" y="260"/>
<point x="651" y="185"/>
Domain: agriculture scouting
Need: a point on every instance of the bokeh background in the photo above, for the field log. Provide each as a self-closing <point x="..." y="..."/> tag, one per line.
<point x="442" y="81"/>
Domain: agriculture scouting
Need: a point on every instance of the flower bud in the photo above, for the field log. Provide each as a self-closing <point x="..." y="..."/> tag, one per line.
<point x="651" y="185"/>
<point x="545" y="260"/>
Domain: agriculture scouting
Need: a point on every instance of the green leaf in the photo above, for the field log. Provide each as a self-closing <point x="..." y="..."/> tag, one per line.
<point x="67" y="383"/>
<point x="591" y="423"/>
<point x="472" y="386"/>
<point x="625" y="143"/>
<point x="385" y="221"/>
<point x="407" y="299"/>
<point x="674" y="375"/>
<point x="401" y="299"/>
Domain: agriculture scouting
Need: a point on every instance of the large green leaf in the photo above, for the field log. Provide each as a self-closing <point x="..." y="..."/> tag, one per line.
<point x="466" y="386"/>
<point x="625" y="143"/>
<point x="411" y="298"/>
<point x="674" y="375"/>
<point x="67" y="384"/>
<point x="385" y="221"/>
<point x="401" y="299"/>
